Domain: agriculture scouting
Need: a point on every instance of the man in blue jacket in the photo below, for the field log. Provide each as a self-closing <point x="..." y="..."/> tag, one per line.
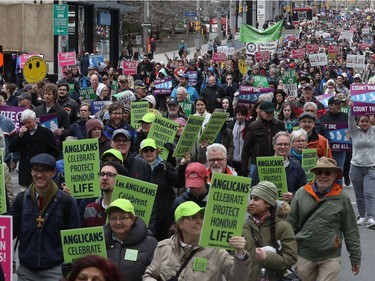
<point x="39" y="214"/>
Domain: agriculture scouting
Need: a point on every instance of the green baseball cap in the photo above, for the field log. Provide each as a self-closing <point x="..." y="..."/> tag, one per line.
<point x="187" y="209"/>
<point x="148" y="143"/>
<point x="113" y="152"/>
<point x="148" y="118"/>
<point x="122" y="204"/>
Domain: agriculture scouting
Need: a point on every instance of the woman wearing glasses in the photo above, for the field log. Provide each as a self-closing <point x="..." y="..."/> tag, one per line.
<point x="129" y="243"/>
<point x="202" y="263"/>
<point x="166" y="177"/>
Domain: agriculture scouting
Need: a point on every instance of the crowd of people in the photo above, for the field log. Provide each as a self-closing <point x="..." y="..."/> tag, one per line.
<point x="305" y="227"/>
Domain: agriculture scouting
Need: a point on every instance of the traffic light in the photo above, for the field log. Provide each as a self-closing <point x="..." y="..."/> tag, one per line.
<point x="1" y="60"/>
<point x="240" y="9"/>
<point x="197" y="25"/>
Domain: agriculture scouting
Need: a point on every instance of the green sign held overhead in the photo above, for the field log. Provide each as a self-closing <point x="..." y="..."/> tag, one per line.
<point x="272" y="169"/>
<point x="225" y="210"/>
<point x="140" y="193"/>
<point x="137" y="111"/>
<point x="260" y="81"/>
<point x="81" y="166"/>
<point x="60" y="19"/>
<point x="163" y="131"/>
<point x="213" y="127"/>
<point x="189" y="135"/>
<point x="308" y="162"/>
<point x="80" y="242"/>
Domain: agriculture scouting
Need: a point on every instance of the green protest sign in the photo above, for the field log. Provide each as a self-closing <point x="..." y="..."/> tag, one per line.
<point x="225" y="210"/>
<point x="140" y="193"/>
<point x="3" y="200"/>
<point x="260" y="81"/>
<point x="213" y="127"/>
<point x="187" y="107"/>
<point x="137" y="110"/>
<point x="308" y="162"/>
<point x="272" y="169"/>
<point x="81" y="166"/>
<point x="189" y="135"/>
<point x="80" y="242"/>
<point x="290" y="82"/>
<point x="163" y="131"/>
<point x="345" y="109"/>
<point x="87" y="93"/>
<point x="114" y="86"/>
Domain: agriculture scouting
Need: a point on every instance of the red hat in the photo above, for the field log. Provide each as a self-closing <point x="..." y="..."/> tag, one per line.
<point x="195" y="175"/>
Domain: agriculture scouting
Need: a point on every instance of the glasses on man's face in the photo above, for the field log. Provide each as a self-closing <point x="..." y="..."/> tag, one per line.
<point x="108" y="175"/>
<point x="325" y="172"/>
<point x="213" y="160"/>
<point x="120" y="219"/>
<point x="148" y="149"/>
<point x="121" y="140"/>
<point x="304" y="122"/>
<point x="282" y="144"/>
<point x="43" y="171"/>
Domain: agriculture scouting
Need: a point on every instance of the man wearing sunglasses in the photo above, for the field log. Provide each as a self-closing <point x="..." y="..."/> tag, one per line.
<point x="322" y="217"/>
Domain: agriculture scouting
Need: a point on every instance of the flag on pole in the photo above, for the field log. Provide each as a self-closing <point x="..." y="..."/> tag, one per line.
<point x="251" y="34"/>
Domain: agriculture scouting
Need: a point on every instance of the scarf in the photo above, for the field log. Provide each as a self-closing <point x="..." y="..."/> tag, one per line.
<point x="47" y="198"/>
<point x="296" y="155"/>
<point x="259" y="220"/>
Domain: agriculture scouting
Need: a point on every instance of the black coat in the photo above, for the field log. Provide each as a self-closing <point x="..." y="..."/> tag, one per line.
<point x="42" y="141"/>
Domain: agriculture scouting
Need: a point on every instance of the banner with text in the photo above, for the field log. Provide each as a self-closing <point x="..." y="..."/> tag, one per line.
<point x="129" y="67"/>
<point x="80" y="242"/>
<point x="213" y="127"/>
<point x="140" y="193"/>
<point x="163" y="131"/>
<point x="363" y="97"/>
<point x="340" y="137"/>
<point x="163" y="86"/>
<point x="137" y="111"/>
<point x="308" y="162"/>
<point x="3" y="190"/>
<point x="189" y="136"/>
<point x="318" y="59"/>
<point x="13" y="113"/>
<point x="250" y="94"/>
<point x="225" y="210"/>
<point x="81" y="166"/>
<point x="272" y="169"/>
<point x="6" y="247"/>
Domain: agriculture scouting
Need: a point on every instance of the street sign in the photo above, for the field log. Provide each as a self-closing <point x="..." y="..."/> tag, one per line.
<point x="190" y="14"/>
<point x="146" y="24"/>
<point x="60" y="19"/>
<point x="138" y="39"/>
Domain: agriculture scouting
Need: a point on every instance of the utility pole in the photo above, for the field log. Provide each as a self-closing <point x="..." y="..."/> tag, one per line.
<point x="244" y="12"/>
<point x="219" y="33"/>
<point x="232" y="13"/>
<point x="146" y="14"/>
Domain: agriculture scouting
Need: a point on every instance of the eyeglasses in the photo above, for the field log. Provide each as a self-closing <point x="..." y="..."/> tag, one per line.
<point x="300" y="141"/>
<point x="44" y="171"/>
<point x="122" y="219"/>
<point x="108" y="175"/>
<point x="217" y="159"/>
<point x="148" y="149"/>
<point x="282" y="144"/>
<point x="229" y="78"/>
<point x="307" y="122"/>
<point x="196" y="217"/>
<point x="325" y="172"/>
<point x="121" y="140"/>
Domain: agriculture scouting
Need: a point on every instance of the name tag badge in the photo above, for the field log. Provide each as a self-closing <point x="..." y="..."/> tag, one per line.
<point x="200" y="264"/>
<point x="131" y="255"/>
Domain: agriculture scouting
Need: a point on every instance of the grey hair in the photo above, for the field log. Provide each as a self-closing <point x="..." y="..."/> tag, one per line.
<point x="297" y="134"/>
<point x="27" y="114"/>
<point x="280" y="134"/>
<point x="309" y="103"/>
<point x="216" y="146"/>
<point x="183" y="89"/>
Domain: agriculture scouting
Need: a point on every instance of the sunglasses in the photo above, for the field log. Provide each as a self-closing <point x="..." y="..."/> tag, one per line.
<point x="148" y="149"/>
<point x="325" y="172"/>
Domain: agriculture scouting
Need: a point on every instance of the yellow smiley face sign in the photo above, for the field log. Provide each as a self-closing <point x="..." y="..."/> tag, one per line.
<point x="35" y="70"/>
<point x="242" y="67"/>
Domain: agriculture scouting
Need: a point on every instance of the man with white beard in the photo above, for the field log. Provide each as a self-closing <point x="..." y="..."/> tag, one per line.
<point x="217" y="161"/>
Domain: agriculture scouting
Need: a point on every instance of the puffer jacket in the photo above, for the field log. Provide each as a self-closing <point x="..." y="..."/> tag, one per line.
<point x="320" y="143"/>
<point x="168" y="260"/>
<point x="321" y="236"/>
<point x="276" y="263"/>
<point x="138" y="239"/>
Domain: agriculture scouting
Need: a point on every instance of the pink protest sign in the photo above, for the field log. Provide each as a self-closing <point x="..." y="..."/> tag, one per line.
<point x="298" y="53"/>
<point x="6" y="246"/>
<point x="129" y="67"/>
<point x="219" y="57"/>
<point x="312" y="48"/>
<point x="66" y="58"/>
<point x="265" y="55"/>
<point x="333" y="49"/>
<point x="25" y="57"/>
